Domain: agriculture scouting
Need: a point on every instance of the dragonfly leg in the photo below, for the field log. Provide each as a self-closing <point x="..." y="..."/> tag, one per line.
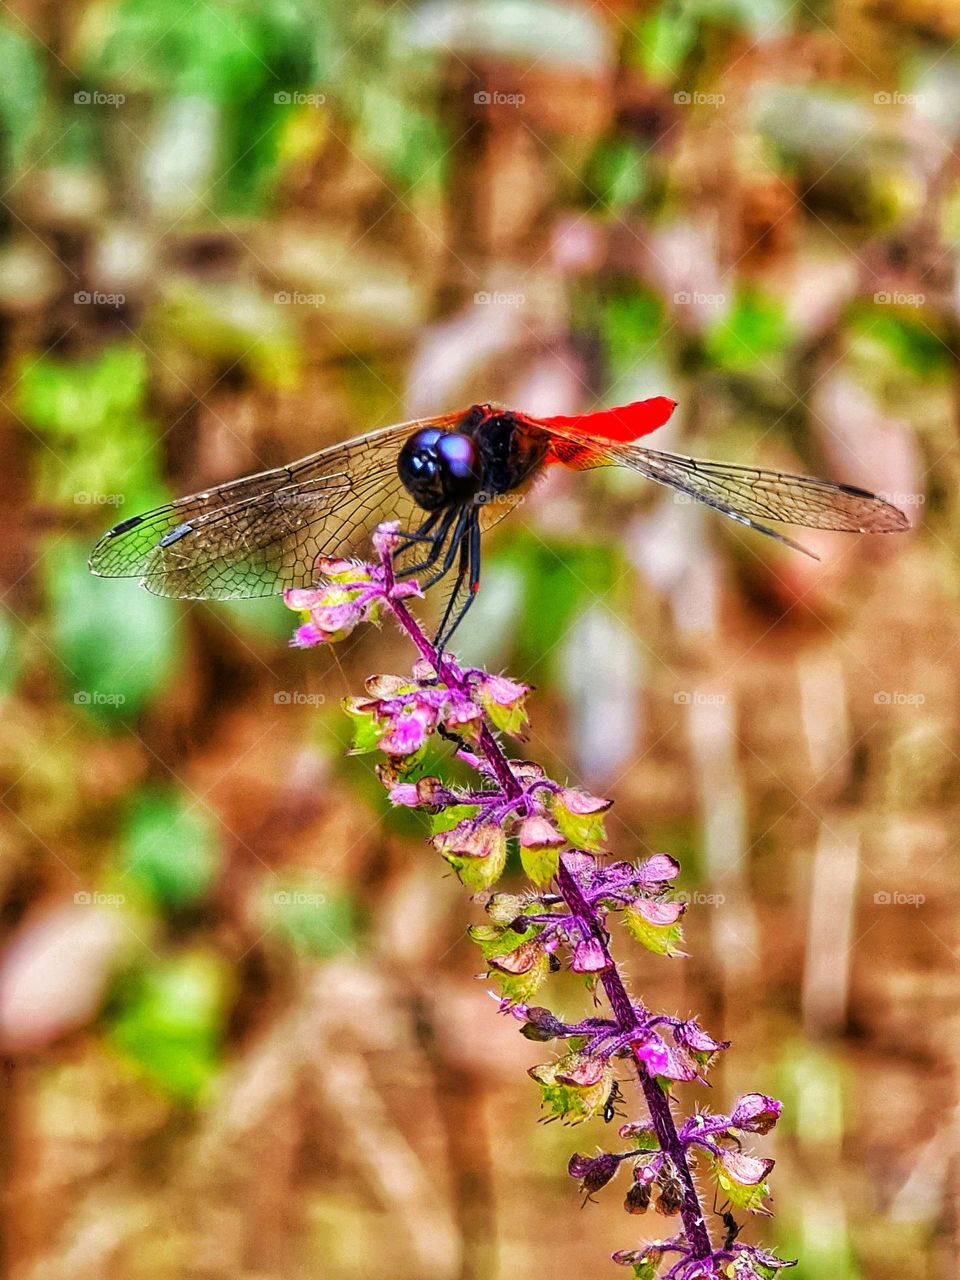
<point x="456" y="537"/>
<point x="442" y="634"/>
<point x="436" y="540"/>
<point x="422" y="532"/>
<point x="469" y="564"/>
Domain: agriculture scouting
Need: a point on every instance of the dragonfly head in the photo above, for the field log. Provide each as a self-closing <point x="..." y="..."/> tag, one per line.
<point x="440" y="468"/>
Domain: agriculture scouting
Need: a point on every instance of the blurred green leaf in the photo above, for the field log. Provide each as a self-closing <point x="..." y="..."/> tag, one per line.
<point x="630" y="324"/>
<point x="101" y="448"/>
<point x="21" y="94"/>
<point x="309" y="915"/>
<point x="253" y="144"/>
<point x="69" y="398"/>
<point x="11" y="655"/>
<point x="903" y="335"/>
<point x="231" y="324"/>
<point x="662" y="39"/>
<point x="170" y="847"/>
<point x="812" y="1082"/>
<point x="218" y="49"/>
<point x="823" y="1246"/>
<point x="169" y="1021"/>
<point x="267" y="618"/>
<point x="242" y="56"/>
<point x="752" y="336"/>
<point x="402" y="140"/>
<point x="397" y="128"/>
<point x="759" y="16"/>
<point x="118" y="645"/>
<point x="617" y="174"/>
<point x="559" y="578"/>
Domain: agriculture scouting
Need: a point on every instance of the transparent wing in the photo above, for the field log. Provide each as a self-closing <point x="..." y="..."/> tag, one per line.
<point x="745" y="494"/>
<point x="496" y="508"/>
<point x="260" y="535"/>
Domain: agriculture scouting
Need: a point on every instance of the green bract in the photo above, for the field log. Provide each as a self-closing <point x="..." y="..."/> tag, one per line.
<point x="574" y="1087"/>
<point x="580" y="817"/>
<point x="655" y="925"/>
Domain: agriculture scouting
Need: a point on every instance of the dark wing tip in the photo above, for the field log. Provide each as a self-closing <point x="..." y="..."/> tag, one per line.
<point x="123" y="527"/>
<point x="95" y="561"/>
<point x="110" y="560"/>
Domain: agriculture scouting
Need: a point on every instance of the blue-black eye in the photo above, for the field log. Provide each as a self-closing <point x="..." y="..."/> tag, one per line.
<point x="440" y="468"/>
<point x="459" y="454"/>
<point x="425" y="440"/>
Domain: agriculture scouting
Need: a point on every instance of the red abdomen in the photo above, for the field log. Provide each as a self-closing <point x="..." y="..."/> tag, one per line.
<point x="621" y="425"/>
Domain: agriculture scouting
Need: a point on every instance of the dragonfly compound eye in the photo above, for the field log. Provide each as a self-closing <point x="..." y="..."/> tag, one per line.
<point x="440" y="468"/>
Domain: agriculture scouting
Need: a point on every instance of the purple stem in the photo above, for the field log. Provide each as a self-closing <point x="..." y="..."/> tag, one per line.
<point x="488" y="744"/>
<point x="657" y="1100"/>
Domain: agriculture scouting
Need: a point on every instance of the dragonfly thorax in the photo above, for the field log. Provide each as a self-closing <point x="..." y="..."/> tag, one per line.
<point x="440" y="468"/>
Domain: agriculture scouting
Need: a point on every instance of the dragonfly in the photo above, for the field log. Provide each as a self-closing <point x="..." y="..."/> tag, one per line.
<point x="446" y="480"/>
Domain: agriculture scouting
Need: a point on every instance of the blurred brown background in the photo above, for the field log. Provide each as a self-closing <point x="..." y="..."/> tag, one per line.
<point x="242" y="1036"/>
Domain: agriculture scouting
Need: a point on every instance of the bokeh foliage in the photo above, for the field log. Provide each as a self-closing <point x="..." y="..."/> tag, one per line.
<point x="234" y="231"/>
